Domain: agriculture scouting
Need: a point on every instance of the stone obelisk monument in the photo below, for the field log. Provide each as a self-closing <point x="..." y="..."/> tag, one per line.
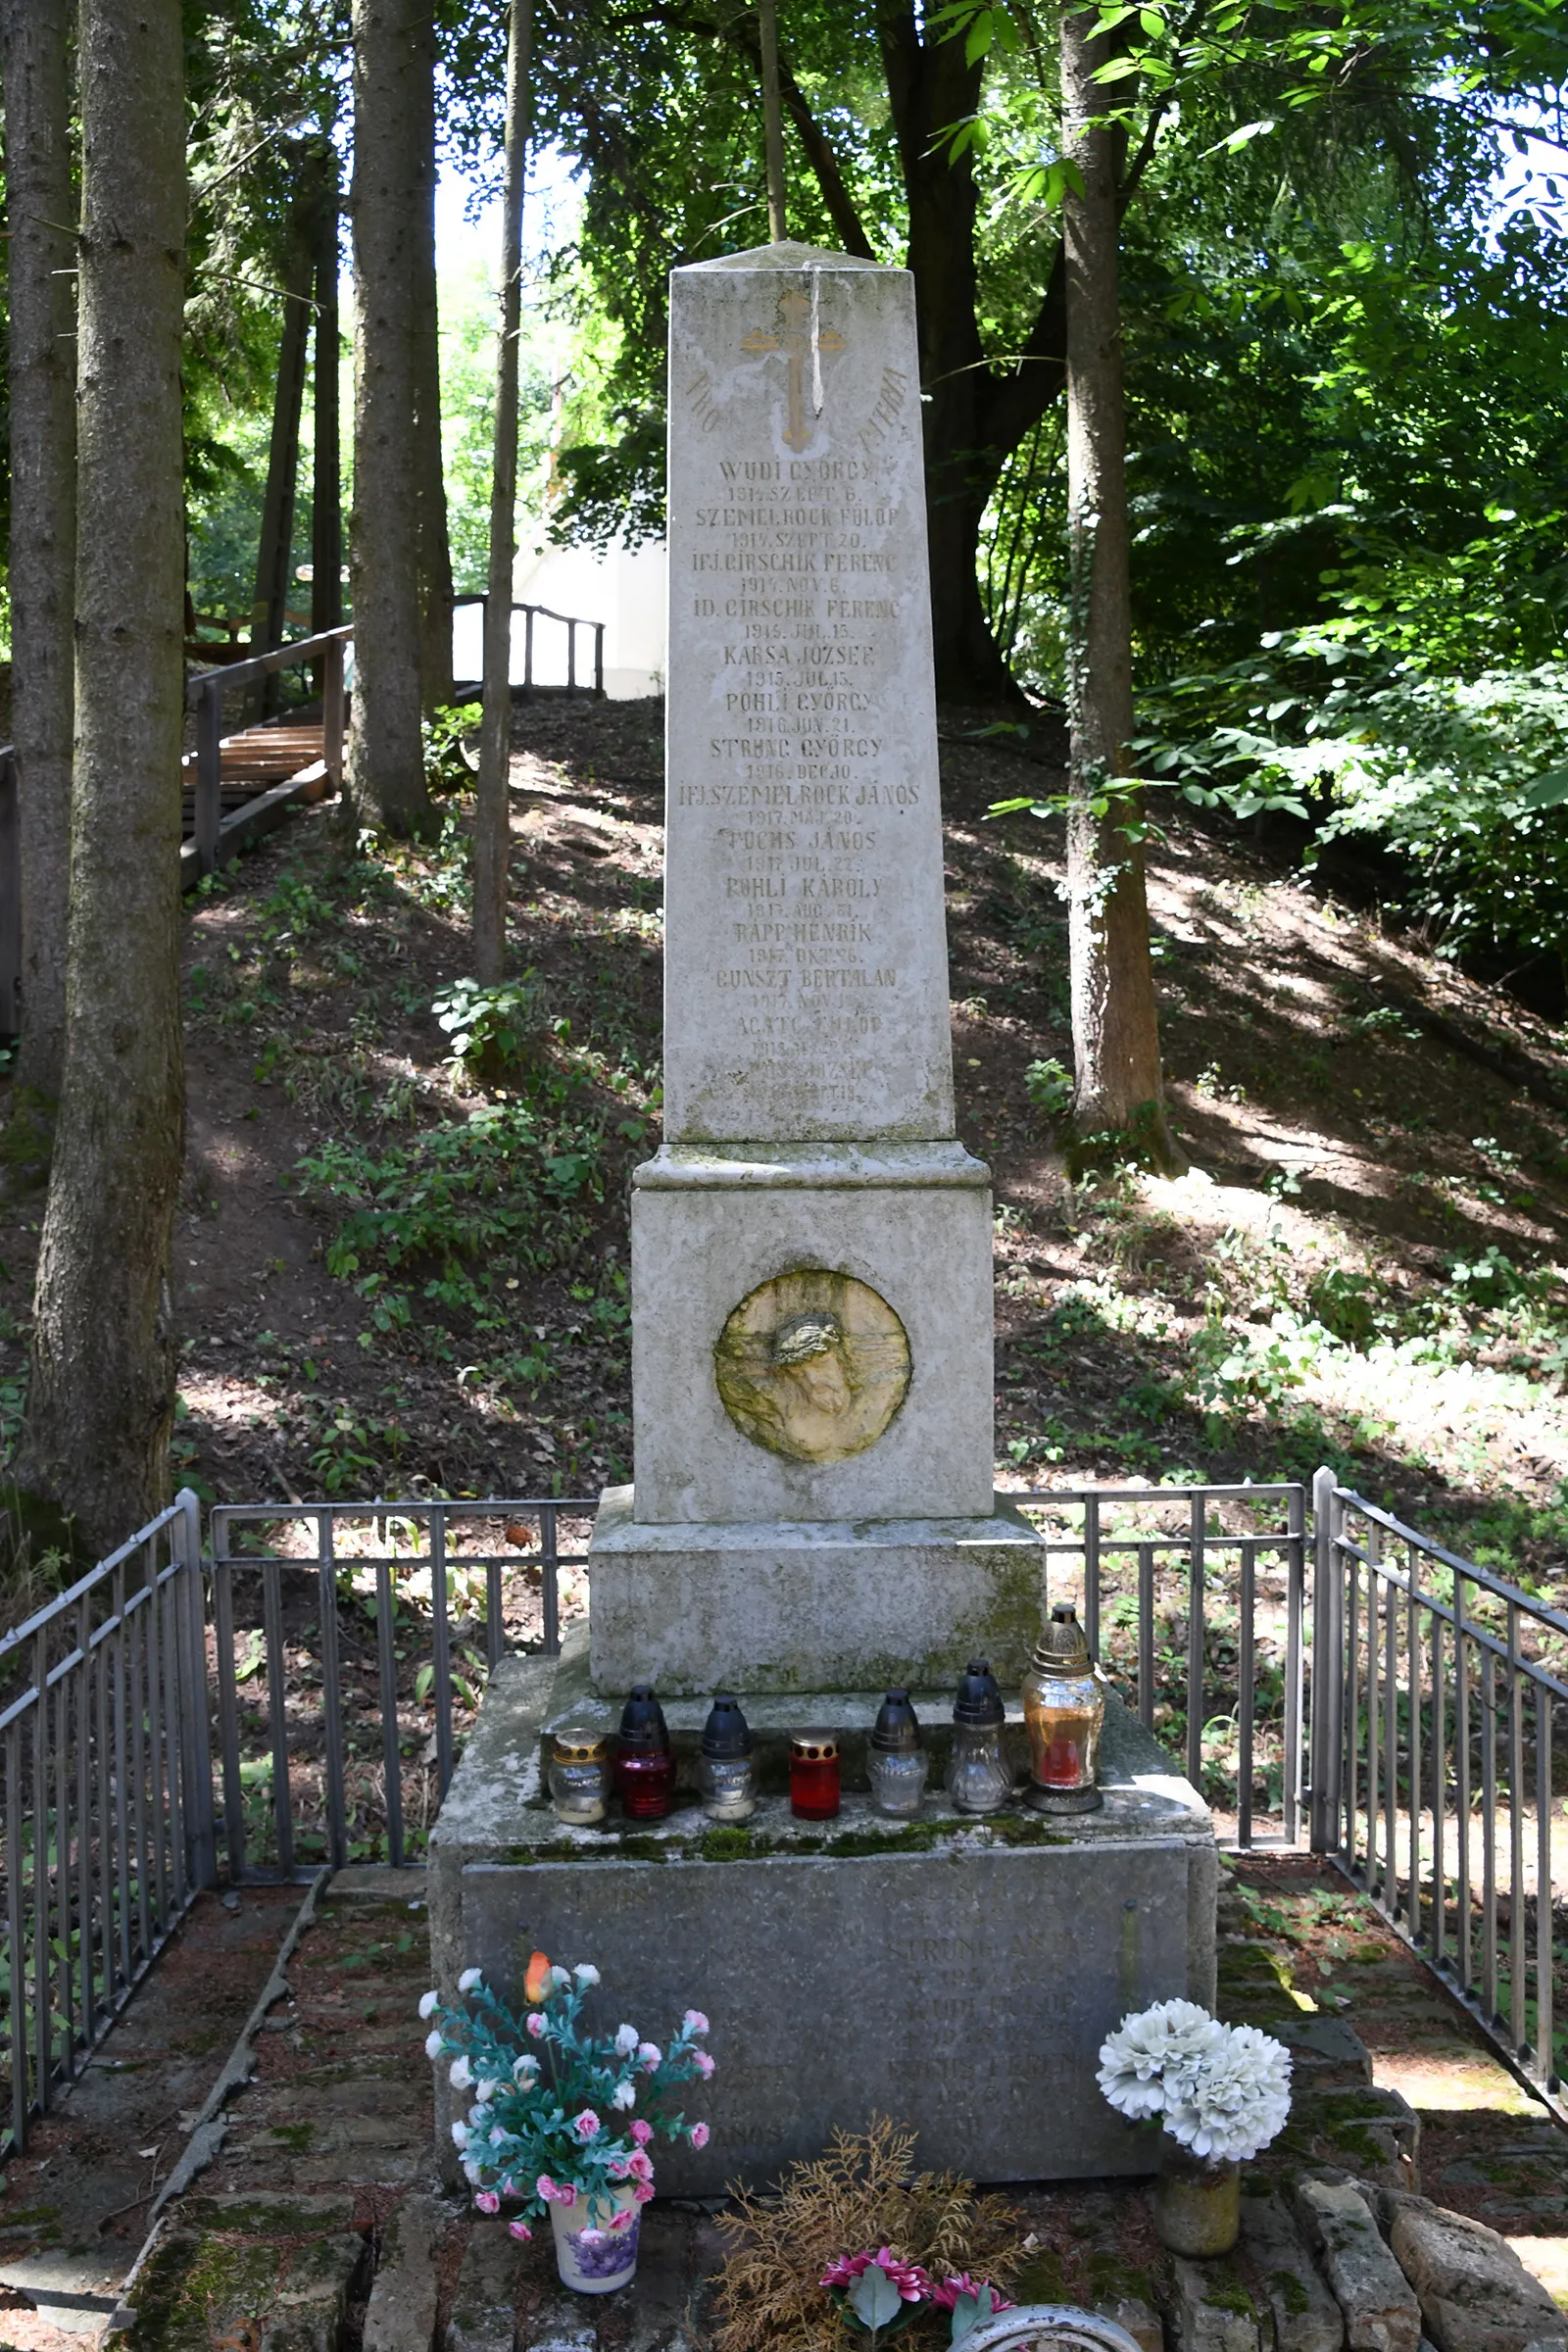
<point x="811" y="1286"/>
<point x="812" y="1517"/>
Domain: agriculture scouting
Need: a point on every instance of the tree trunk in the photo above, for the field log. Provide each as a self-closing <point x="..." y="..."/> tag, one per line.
<point x="41" y="203"/>
<point x="492" y="826"/>
<point x="102" y="1396"/>
<point x="1119" y="1087"/>
<point x="326" y="478"/>
<point x="932" y="85"/>
<point x="435" y="549"/>
<point x="386" y="753"/>
<point x="270" y="608"/>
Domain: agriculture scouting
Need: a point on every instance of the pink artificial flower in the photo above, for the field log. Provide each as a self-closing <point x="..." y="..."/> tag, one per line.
<point x="907" y="2277"/>
<point x="642" y="2192"/>
<point x="487" y="2201"/>
<point x="622" y="2220"/>
<point x="617" y="2167"/>
<point x="649" y="2055"/>
<point x="519" y="2229"/>
<point x="535" y="2025"/>
<point x="694" y="2022"/>
<point x="586" y="2125"/>
<point x="700" y="2136"/>
<point x="702" y="2063"/>
<point x="556" y="2193"/>
<point x="947" y="2294"/>
<point x="639" y="2166"/>
<point x="590" y="2237"/>
<point x="642" y="2133"/>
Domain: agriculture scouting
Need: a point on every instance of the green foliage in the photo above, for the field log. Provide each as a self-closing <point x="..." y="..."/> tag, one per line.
<point x="490" y="1028"/>
<point x="447" y="767"/>
<point x="1049" y="1086"/>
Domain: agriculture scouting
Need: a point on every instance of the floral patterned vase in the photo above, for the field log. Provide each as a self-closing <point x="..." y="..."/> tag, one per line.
<point x="596" y="2244"/>
<point x="1198" y="2207"/>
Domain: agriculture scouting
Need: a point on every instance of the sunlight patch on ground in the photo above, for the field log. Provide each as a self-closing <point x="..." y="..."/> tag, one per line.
<point x="1548" y="2259"/>
<point x="1457" y="2081"/>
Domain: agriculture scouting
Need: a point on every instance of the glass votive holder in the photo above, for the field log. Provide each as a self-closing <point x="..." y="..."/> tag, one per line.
<point x="645" y="1768"/>
<point x="814" y="1775"/>
<point x="724" y="1772"/>
<point x="895" y="1763"/>
<point x="979" y="1776"/>
<point x="578" y="1774"/>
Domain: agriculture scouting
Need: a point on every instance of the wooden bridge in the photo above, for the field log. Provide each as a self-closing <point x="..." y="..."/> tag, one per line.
<point x="236" y="787"/>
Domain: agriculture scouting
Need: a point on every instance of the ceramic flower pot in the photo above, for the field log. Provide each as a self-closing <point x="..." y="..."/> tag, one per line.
<point x="1197" y="2206"/>
<point x="596" y="2244"/>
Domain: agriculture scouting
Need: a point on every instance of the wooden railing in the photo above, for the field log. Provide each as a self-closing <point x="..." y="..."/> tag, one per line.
<point x="533" y="612"/>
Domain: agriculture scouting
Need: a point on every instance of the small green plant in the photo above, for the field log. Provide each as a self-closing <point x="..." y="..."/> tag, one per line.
<point x="447" y="767"/>
<point x="490" y="1028"/>
<point x="1049" y="1086"/>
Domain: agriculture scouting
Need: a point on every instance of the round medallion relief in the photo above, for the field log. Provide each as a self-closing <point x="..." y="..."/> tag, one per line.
<point x="814" y="1365"/>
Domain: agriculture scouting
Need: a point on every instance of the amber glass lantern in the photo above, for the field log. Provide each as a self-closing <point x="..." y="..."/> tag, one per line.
<point x="814" y="1775"/>
<point x="1065" y="1710"/>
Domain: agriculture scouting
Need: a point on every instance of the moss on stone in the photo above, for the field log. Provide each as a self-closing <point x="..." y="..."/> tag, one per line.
<point x="1041" y="2280"/>
<point x="297" y="2137"/>
<point x="1225" y="2290"/>
<point x="1291" y="2293"/>
<point x="1110" y="2279"/>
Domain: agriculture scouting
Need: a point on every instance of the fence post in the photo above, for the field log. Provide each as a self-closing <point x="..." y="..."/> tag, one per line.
<point x="332" y="711"/>
<point x="209" y="776"/>
<point x="527" y="648"/>
<point x="1327" y="1730"/>
<point x="571" y="656"/>
<point x="10" y="898"/>
<point x="599" y="658"/>
<point x="195" y="1712"/>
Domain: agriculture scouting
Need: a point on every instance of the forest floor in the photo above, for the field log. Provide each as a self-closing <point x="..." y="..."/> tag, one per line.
<point x="397" y="1277"/>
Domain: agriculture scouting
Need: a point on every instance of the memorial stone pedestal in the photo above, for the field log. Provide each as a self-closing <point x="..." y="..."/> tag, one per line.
<point x="812" y="1516"/>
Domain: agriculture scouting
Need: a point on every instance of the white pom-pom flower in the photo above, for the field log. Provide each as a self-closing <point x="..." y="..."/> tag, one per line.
<point x="470" y="1978"/>
<point x="623" y="2095"/>
<point x="433" y="2046"/>
<point x="462" y="2076"/>
<point x="626" y="2038"/>
<point x="429" y="2002"/>
<point x="459" y="2134"/>
<point x="1154" y="2054"/>
<point x="586" y="1974"/>
<point x="1236" y="2103"/>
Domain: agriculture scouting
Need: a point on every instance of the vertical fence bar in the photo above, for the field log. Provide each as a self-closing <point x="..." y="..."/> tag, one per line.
<point x="599" y="658"/>
<point x="527" y="646"/>
<point x="1546" y="2050"/>
<point x="1374" y="1721"/>
<point x="571" y="656"/>
<point x="1352" y="1704"/>
<point x="10" y="896"/>
<point x="332" y="1690"/>
<point x="208" y="810"/>
<point x="334" y="709"/>
<point x="42" y="2037"/>
<point x="1145" y="1636"/>
<point x="1461" y="1802"/>
<point x="548" y="1581"/>
<point x="386" y="1656"/>
<point x="63" y="1873"/>
<point x="103" y="1655"/>
<point x="1438" y="1943"/>
<point x="137" y="1746"/>
<point x="495" y="1631"/>
<point x="1489" y="1832"/>
<point x="277" y="1711"/>
<point x="15" y="1940"/>
<point x="158" y="1890"/>
<point x="1413" y="1649"/>
<point x="442" y="1647"/>
<point x="196" y="1705"/>
<point x="1518" y="2029"/>
<point x="1391" y="1747"/>
<point x="84" y="1814"/>
<point x="1244" y="1667"/>
<point x="1295" y="1662"/>
<point x="229" y="1713"/>
<point x="1092" y="1574"/>
<point x="172" y="1611"/>
<point x="1324" y="1832"/>
<point x="1194" y="1641"/>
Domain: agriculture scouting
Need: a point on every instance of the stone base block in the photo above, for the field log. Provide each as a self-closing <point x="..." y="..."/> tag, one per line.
<point x="956" y="1975"/>
<point x="913" y="1222"/>
<point x="806" y="1605"/>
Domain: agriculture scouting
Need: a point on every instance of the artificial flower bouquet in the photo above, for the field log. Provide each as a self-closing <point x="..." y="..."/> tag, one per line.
<point x="562" y="2117"/>
<point x="881" y="2294"/>
<point x="1221" y="2091"/>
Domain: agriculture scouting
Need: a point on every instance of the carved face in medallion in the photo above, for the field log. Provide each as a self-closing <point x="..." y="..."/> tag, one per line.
<point x="814" y="1365"/>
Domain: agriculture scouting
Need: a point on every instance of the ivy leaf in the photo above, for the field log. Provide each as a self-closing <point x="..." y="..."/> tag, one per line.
<point x="873" y="2298"/>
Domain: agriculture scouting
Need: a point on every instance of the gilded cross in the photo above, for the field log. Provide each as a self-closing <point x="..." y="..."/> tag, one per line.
<point x="798" y="342"/>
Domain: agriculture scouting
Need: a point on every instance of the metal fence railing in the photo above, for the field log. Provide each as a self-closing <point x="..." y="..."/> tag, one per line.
<point x="366" y="1632"/>
<point x="106" y="1801"/>
<point x="1439" y="1765"/>
<point x="1334" y="1680"/>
